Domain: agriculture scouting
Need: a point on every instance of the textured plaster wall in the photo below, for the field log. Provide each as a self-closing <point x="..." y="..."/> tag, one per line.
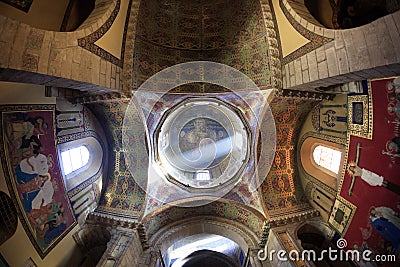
<point x="290" y="38"/>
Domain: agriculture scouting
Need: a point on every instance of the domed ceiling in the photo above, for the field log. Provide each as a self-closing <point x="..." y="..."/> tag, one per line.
<point x="202" y="144"/>
<point x="228" y="32"/>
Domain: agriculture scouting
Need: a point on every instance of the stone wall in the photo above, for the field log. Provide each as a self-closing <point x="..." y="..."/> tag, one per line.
<point x="367" y="52"/>
<point x="50" y="58"/>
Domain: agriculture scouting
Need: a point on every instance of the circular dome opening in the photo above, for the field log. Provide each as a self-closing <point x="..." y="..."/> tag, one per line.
<point x="202" y="144"/>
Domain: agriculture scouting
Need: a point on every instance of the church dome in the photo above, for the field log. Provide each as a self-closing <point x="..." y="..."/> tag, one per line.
<point x="202" y="143"/>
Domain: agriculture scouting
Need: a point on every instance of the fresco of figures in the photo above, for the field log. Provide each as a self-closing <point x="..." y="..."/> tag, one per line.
<point x="34" y="176"/>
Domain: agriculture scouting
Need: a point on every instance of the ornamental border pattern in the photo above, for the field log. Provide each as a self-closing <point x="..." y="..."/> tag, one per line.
<point x="88" y="42"/>
<point x="366" y="129"/>
<point x="315" y="39"/>
<point x="349" y="205"/>
<point x="274" y="47"/>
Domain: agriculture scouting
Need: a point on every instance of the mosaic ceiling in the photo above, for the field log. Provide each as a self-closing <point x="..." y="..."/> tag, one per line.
<point x="122" y="196"/>
<point x="225" y="209"/>
<point x="281" y="190"/>
<point x="228" y="32"/>
<point x="199" y="25"/>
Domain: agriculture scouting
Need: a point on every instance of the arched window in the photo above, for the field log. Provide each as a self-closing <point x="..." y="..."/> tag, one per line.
<point x="74" y="159"/>
<point x="80" y="160"/>
<point x="322" y="159"/>
<point x="327" y="158"/>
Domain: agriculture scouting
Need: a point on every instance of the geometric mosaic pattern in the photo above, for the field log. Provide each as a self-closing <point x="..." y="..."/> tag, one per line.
<point x="236" y="212"/>
<point x="122" y="196"/>
<point x="228" y="32"/>
<point x="281" y="189"/>
<point x="251" y="59"/>
<point x="8" y="217"/>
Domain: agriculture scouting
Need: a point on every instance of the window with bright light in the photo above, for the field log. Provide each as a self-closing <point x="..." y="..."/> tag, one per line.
<point x="327" y="158"/>
<point x="74" y="159"/>
<point x="203" y="175"/>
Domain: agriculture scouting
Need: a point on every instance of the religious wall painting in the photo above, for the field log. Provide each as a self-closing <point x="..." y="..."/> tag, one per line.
<point x="30" y="263"/>
<point x="201" y="133"/>
<point x="370" y="180"/>
<point x="392" y="147"/>
<point x="33" y="174"/>
<point x="384" y="223"/>
<point x="23" y="5"/>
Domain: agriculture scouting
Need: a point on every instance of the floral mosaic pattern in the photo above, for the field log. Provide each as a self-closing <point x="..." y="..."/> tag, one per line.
<point x="231" y="33"/>
<point x="251" y="59"/>
<point x="199" y="25"/>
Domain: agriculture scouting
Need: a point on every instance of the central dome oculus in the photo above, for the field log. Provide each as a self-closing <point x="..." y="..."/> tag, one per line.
<point x="202" y="144"/>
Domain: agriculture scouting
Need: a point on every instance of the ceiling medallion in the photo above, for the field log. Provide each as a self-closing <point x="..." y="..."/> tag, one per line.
<point x="202" y="144"/>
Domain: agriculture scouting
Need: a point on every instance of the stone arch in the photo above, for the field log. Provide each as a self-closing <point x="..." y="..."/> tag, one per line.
<point x="353" y="54"/>
<point x="167" y="235"/>
<point x="50" y="58"/>
<point x="310" y="166"/>
<point x="8" y="218"/>
<point x="316" y="226"/>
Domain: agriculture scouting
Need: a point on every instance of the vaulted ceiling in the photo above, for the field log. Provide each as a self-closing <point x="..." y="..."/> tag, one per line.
<point x="229" y="32"/>
<point x="224" y="31"/>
